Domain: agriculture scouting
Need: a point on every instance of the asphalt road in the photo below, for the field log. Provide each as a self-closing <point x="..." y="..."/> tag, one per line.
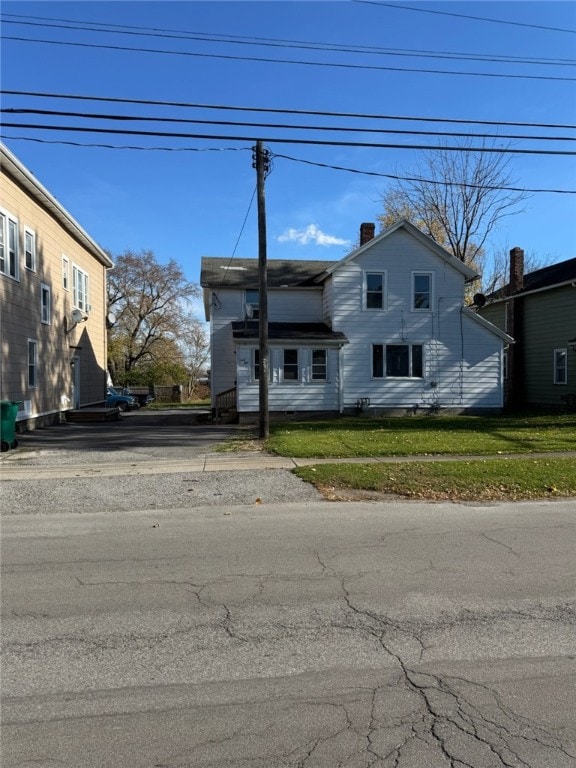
<point x="276" y="635"/>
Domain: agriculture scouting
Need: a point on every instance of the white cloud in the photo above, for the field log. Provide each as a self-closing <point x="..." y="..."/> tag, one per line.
<point x="311" y="234"/>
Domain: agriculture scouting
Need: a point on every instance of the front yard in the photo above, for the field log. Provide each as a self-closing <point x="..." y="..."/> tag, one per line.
<point x="474" y="479"/>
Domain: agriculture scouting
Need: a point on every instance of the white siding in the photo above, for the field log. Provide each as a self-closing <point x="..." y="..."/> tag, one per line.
<point x="461" y="360"/>
<point x="303" y="395"/>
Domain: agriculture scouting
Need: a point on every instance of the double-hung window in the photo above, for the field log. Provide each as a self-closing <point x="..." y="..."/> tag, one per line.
<point x="80" y="288"/>
<point x="375" y="290"/>
<point x="30" y="250"/>
<point x="319" y="365"/>
<point x="290" y="365"/>
<point x="560" y="366"/>
<point x="397" y="360"/>
<point x="45" y="301"/>
<point x="422" y="291"/>
<point x="32" y="363"/>
<point x="8" y="246"/>
<point x="252" y="300"/>
<point x="256" y="364"/>
<point x="65" y="273"/>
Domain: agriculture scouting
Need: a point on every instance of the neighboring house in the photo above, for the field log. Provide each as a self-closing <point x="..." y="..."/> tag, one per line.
<point x="539" y="311"/>
<point x="383" y="329"/>
<point x="52" y="302"/>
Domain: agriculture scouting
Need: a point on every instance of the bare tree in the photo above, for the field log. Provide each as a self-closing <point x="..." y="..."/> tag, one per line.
<point x="151" y="304"/>
<point x="456" y="197"/>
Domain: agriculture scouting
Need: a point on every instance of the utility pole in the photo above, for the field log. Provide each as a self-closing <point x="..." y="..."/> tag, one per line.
<point x="262" y="165"/>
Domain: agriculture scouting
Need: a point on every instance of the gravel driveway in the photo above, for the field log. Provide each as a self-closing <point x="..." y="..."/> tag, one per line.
<point x="136" y="442"/>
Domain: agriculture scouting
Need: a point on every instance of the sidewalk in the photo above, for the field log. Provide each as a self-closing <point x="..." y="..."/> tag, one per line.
<point x="28" y="467"/>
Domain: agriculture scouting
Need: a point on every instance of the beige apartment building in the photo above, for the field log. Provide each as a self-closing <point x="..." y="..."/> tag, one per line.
<point x="52" y="303"/>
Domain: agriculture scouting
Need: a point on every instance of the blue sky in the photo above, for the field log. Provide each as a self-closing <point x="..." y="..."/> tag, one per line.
<point x="188" y="204"/>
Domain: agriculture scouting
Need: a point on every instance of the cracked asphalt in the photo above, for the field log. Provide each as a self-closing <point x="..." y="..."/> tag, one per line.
<point x="160" y="610"/>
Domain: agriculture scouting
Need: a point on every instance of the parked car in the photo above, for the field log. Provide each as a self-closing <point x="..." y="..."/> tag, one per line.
<point x="116" y="399"/>
<point x="143" y="396"/>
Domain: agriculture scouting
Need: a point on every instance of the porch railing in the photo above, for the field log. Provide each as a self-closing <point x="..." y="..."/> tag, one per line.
<point x="225" y="403"/>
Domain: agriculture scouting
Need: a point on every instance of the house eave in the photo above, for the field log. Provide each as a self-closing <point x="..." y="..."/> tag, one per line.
<point x="37" y="191"/>
<point x="488" y="325"/>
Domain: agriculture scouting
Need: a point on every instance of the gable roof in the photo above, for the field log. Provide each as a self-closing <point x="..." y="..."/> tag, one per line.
<point x="553" y="276"/>
<point x="25" y="179"/>
<point x="404" y="224"/>
<point x="226" y="272"/>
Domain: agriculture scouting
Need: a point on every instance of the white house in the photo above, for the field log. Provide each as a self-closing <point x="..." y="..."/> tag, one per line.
<point x="384" y="329"/>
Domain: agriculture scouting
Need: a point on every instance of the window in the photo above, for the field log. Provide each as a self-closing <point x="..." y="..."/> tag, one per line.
<point x="560" y="367"/>
<point x="256" y="364"/>
<point x="253" y="299"/>
<point x="30" y="249"/>
<point x="319" y="365"/>
<point x="32" y="362"/>
<point x="291" y="368"/>
<point x="45" y="303"/>
<point x="80" y="288"/>
<point x="375" y="284"/>
<point x="399" y="360"/>
<point x="8" y="246"/>
<point x="422" y="291"/>
<point x="65" y="273"/>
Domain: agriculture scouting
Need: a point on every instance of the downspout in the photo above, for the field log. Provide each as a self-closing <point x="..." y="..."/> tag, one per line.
<point x="340" y="382"/>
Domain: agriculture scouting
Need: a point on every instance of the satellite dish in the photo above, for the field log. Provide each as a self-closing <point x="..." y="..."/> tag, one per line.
<point x="479" y="299"/>
<point x="248" y="311"/>
<point x="110" y="319"/>
<point x="77" y="316"/>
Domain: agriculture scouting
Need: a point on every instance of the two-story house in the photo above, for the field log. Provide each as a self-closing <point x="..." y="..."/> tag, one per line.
<point x="539" y="310"/>
<point x="383" y="329"/>
<point x="52" y="302"/>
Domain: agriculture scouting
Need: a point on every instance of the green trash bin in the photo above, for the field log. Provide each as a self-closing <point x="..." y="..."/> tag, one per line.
<point x="8" y="413"/>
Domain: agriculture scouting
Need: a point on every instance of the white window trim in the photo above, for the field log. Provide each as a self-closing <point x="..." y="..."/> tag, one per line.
<point x="256" y="307"/>
<point x="417" y="273"/>
<point x="30" y="233"/>
<point x="564" y="352"/>
<point x="33" y="364"/>
<point x="45" y="308"/>
<point x="385" y="375"/>
<point x="384" y="274"/>
<point x="65" y="273"/>
<point x="77" y="270"/>
<point x="299" y="363"/>
<point x="9" y="218"/>
<point x="326" y="377"/>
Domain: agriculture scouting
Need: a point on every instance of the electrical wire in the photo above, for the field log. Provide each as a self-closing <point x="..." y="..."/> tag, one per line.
<point x="293" y="159"/>
<point x="466" y="16"/>
<point x="307" y="45"/>
<point x="421" y="180"/>
<point x="284" y="140"/>
<point x="300" y="62"/>
<point x="324" y="128"/>
<point x="315" y="113"/>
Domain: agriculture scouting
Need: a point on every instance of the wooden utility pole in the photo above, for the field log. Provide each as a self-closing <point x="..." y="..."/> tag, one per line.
<point x="261" y="162"/>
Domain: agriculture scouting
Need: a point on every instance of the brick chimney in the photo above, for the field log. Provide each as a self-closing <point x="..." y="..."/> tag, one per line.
<point x="516" y="270"/>
<point x="367" y="232"/>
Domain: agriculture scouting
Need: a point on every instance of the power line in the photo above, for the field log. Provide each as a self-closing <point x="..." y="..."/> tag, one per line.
<point x="466" y="16"/>
<point x="314" y="113"/>
<point x="284" y="157"/>
<point x="345" y="129"/>
<point x="419" y="179"/>
<point x="300" y="62"/>
<point x="121" y="29"/>
<point x="283" y="140"/>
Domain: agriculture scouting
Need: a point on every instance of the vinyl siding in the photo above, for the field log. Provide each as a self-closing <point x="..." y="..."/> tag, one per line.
<point x="549" y="322"/>
<point x="20" y="317"/>
<point x="284" y="305"/>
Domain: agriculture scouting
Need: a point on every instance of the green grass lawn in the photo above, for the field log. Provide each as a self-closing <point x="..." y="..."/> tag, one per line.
<point x="475" y="480"/>
<point x="424" y="435"/>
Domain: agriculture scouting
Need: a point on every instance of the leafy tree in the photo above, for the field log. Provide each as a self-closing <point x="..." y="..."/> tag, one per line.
<point x="457" y="198"/>
<point x="151" y="302"/>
